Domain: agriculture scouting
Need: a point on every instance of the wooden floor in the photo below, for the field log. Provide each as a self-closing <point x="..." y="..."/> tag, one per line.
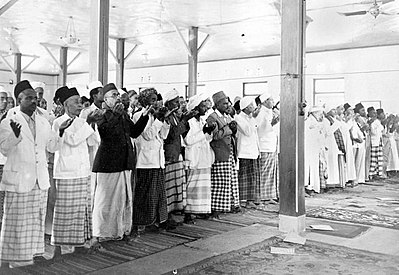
<point x="146" y="244"/>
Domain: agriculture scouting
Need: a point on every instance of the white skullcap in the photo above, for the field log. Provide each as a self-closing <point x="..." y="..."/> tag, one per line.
<point x="246" y="101"/>
<point x="172" y="94"/>
<point x="121" y="92"/>
<point x="37" y="84"/>
<point x="316" y="109"/>
<point x="237" y="98"/>
<point x="195" y="100"/>
<point x="265" y="96"/>
<point x="2" y="90"/>
<point x="94" y="85"/>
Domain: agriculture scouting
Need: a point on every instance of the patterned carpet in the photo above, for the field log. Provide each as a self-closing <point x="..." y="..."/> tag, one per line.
<point x="365" y="217"/>
<point x="311" y="258"/>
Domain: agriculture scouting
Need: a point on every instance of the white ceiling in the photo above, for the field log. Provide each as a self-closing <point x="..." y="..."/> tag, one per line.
<point x="147" y="22"/>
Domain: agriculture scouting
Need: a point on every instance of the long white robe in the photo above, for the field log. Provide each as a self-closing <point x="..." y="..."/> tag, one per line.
<point x="332" y="153"/>
<point x="350" y="158"/>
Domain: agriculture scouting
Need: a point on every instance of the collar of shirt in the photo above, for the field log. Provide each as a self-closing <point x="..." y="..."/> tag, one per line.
<point x="27" y="118"/>
<point x="220" y="114"/>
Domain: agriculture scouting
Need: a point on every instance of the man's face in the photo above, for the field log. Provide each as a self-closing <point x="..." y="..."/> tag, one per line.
<point x="152" y="100"/>
<point x="40" y="92"/>
<point x="183" y="104"/>
<point x="269" y="103"/>
<point x="3" y="101"/>
<point x="333" y="112"/>
<point x="340" y="110"/>
<point x="372" y="114"/>
<point x="133" y="100"/>
<point x="202" y="108"/>
<point x="381" y="116"/>
<point x="250" y="108"/>
<point x="28" y="101"/>
<point x="100" y="95"/>
<point x="223" y="105"/>
<point x="125" y="100"/>
<point x="74" y="106"/>
<point x="10" y="103"/>
<point x="174" y="103"/>
<point x="362" y="112"/>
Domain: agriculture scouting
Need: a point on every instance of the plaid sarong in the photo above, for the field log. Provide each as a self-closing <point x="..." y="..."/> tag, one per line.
<point x="2" y="195"/>
<point x="339" y="139"/>
<point x="249" y="179"/>
<point x="224" y="185"/>
<point x="198" y="195"/>
<point x="22" y="232"/>
<point x="149" y="204"/>
<point x="175" y="183"/>
<point x="268" y="175"/>
<point x="72" y="224"/>
<point x="376" y="160"/>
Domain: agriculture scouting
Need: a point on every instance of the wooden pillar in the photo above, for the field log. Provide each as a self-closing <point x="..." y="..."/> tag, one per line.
<point x="17" y="66"/>
<point x="99" y="34"/>
<point x="63" y="65"/>
<point x="292" y="197"/>
<point x="120" y="58"/>
<point x="192" y="61"/>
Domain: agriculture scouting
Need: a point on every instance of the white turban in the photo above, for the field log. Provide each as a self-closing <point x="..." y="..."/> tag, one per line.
<point x="265" y="96"/>
<point x="246" y="101"/>
<point x="37" y="84"/>
<point x="121" y="92"/>
<point x="172" y="94"/>
<point x="195" y="100"/>
<point x="316" y="109"/>
<point x="94" y="85"/>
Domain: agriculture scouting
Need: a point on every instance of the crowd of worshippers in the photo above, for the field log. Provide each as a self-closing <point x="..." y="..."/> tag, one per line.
<point x="346" y="146"/>
<point x="127" y="163"/>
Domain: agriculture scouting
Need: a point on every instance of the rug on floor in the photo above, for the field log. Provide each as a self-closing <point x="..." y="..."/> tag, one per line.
<point x="311" y="258"/>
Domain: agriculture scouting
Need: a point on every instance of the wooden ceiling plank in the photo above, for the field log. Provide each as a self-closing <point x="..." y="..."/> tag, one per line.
<point x="7" y="6"/>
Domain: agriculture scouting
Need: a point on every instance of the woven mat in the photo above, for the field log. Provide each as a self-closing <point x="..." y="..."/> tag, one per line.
<point x="311" y="258"/>
<point x="365" y="217"/>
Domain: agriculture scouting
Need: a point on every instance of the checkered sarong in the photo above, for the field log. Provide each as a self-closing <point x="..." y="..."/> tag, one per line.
<point x="149" y="204"/>
<point x="22" y="232"/>
<point x="224" y="185"/>
<point x="175" y="183"/>
<point x="249" y="179"/>
<point x="72" y="224"/>
<point x="268" y="176"/>
<point x="198" y="195"/>
<point x="376" y="160"/>
<point x="2" y="195"/>
<point x="323" y="175"/>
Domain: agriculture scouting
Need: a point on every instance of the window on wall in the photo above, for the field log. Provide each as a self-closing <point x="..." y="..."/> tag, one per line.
<point x="329" y="91"/>
<point x="200" y="89"/>
<point x="254" y="88"/>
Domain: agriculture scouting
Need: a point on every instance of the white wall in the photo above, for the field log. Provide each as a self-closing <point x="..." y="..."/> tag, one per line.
<point x="370" y="74"/>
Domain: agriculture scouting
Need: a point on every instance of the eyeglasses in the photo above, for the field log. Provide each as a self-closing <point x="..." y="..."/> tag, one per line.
<point x="114" y="95"/>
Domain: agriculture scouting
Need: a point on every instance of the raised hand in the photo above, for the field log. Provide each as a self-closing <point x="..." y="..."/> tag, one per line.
<point x="16" y="128"/>
<point x="94" y="116"/>
<point x="118" y="109"/>
<point x="65" y="125"/>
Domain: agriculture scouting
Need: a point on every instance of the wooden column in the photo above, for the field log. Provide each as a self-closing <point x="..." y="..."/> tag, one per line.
<point x="292" y="197"/>
<point x="17" y="66"/>
<point x="192" y="61"/>
<point x="63" y="65"/>
<point x="99" y="34"/>
<point x="120" y="59"/>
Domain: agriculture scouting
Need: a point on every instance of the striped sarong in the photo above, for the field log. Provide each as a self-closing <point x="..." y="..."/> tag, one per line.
<point x="376" y="161"/>
<point x="323" y="175"/>
<point x="52" y="194"/>
<point x="22" y="232"/>
<point x="224" y="185"/>
<point x="268" y="175"/>
<point x="112" y="205"/>
<point x="175" y="183"/>
<point x="249" y="179"/>
<point x="198" y="195"/>
<point x="149" y="204"/>
<point x="72" y="223"/>
<point x="2" y="195"/>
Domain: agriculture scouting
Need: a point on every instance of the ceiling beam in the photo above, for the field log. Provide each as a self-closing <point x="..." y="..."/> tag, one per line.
<point x="203" y="43"/>
<point x="73" y="59"/>
<point x="130" y="52"/>
<point x="46" y="47"/>
<point x="4" y="60"/>
<point x="182" y="39"/>
<point x="27" y="65"/>
<point x="7" y="6"/>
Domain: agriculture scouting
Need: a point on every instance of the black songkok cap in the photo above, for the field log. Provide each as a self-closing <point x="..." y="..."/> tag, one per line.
<point x="109" y="87"/>
<point x="59" y="92"/>
<point x="347" y="106"/>
<point x="67" y="94"/>
<point x="20" y="87"/>
<point x="369" y="109"/>
<point x="358" y="107"/>
<point x="380" y="111"/>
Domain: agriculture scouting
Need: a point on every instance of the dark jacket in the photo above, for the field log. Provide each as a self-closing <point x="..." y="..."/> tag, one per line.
<point x="222" y="137"/>
<point x="115" y="153"/>
<point x="172" y="144"/>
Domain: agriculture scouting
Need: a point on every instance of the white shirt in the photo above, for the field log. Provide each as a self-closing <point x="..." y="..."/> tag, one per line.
<point x="199" y="154"/>
<point x="247" y="137"/>
<point x="72" y="160"/>
<point x="266" y="133"/>
<point x="376" y="130"/>
<point x="150" y="152"/>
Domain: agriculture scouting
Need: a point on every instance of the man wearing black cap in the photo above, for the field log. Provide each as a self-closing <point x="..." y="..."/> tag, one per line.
<point x="72" y="211"/>
<point x="113" y="164"/>
<point x="376" y="153"/>
<point x="24" y="139"/>
<point x="362" y="121"/>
